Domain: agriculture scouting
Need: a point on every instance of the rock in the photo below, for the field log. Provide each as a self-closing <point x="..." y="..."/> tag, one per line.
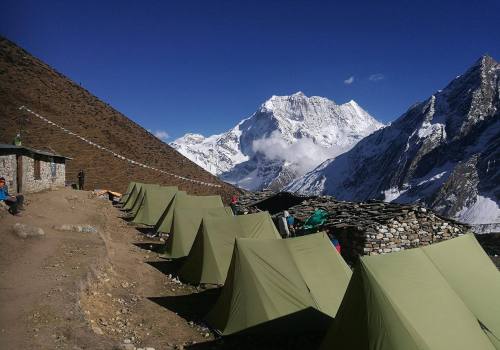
<point x="76" y="228"/>
<point x="127" y="341"/>
<point x="25" y="231"/>
<point x="97" y="330"/>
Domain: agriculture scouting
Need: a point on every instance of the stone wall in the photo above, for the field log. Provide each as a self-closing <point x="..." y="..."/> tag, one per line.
<point x="47" y="180"/>
<point x="417" y="228"/>
<point x="377" y="227"/>
<point x="8" y="166"/>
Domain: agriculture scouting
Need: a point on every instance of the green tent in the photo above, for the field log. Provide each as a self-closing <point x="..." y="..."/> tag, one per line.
<point x="183" y="200"/>
<point x="127" y="193"/>
<point x="473" y="277"/>
<point x="187" y="222"/>
<point x="140" y="197"/>
<point x="154" y="204"/>
<point x="210" y="256"/>
<point x="278" y="280"/>
<point x="164" y="224"/>
<point x="129" y="202"/>
<point x="444" y="296"/>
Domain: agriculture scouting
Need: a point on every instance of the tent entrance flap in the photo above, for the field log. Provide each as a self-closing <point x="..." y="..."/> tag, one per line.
<point x="187" y="224"/>
<point x="155" y="201"/>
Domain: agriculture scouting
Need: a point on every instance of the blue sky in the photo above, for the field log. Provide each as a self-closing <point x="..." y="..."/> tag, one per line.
<point x="201" y="66"/>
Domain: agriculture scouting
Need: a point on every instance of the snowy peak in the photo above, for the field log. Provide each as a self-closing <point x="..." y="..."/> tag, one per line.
<point x="293" y="107"/>
<point x="298" y="116"/>
<point x="442" y="152"/>
<point x="255" y="153"/>
<point x="194" y="138"/>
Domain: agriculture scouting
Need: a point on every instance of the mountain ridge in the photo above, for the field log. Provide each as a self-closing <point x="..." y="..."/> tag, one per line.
<point x="436" y="153"/>
<point x="240" y="155"/>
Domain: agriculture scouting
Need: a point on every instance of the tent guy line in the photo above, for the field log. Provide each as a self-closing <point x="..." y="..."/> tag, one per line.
<point x="119" y="156"/>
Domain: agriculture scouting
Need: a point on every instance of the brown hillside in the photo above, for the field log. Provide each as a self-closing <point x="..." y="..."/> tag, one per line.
<point x="25" y="80"/>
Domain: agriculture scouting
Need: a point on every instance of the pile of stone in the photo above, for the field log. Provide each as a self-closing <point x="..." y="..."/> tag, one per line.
<point x="374" y="227"/>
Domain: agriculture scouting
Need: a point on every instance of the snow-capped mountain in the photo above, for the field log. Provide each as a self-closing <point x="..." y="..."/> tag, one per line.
<point x="284" y="138"/>
<point x="443" y="152"/>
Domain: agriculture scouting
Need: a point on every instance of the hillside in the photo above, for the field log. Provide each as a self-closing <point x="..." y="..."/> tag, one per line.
<point x="27" y="81"/>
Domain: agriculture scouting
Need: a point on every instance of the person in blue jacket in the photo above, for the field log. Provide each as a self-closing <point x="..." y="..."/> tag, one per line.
<point x="15" y="203"/>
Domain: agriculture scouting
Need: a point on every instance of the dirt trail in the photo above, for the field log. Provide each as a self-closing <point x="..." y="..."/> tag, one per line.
<point x="79" y="290"/>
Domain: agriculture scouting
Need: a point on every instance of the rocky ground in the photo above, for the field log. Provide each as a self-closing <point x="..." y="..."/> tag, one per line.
<point x="74" y="275"/>
<point x="86" y="290"/>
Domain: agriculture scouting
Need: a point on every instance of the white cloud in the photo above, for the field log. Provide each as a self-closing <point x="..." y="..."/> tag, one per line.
<point x="304" y="155"/>
<point x="161" y="134"/>
<point x="376" y="77"/>
<point x="349" y="80"/>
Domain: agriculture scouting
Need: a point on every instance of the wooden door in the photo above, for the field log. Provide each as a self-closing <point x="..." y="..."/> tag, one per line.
<point x="19" y="173"/>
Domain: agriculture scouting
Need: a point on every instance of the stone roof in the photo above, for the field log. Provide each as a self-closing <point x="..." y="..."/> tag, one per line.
<point x="6" y="148"/>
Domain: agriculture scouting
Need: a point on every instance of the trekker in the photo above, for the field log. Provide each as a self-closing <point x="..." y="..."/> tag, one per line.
<point x="15" y="203"/>
<point x="234" y="201"/>
<point x="283" y="227"/>
<point x="290" y="221"/>
<point x="81" y="179"/>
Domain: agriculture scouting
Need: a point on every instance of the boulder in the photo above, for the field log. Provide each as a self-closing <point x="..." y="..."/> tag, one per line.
<point x="26" y="231"/>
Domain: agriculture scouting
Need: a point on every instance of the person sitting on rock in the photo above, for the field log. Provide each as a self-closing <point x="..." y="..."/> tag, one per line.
<point x="15" y="203"/>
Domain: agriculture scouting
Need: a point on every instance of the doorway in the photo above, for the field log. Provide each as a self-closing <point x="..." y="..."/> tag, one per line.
<point x="19" y="173"/>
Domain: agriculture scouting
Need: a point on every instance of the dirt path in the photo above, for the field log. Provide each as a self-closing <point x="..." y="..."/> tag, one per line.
<point x="79" y="290"/>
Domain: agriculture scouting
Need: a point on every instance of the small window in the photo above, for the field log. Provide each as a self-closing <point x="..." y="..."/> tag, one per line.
<point x="37" y="169"/>
<point x="53" y="168"/>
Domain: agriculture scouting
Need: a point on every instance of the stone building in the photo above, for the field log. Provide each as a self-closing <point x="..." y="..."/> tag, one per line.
<point x="365" y="228"/>
<point x="28" y="170"/>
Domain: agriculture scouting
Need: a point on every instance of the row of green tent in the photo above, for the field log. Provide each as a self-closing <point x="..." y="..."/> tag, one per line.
<point x="442" y="296"/>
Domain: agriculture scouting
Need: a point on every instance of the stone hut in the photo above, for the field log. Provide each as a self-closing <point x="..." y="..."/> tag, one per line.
<point x="28" y="170"/>
<point x="374" y="227"/>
